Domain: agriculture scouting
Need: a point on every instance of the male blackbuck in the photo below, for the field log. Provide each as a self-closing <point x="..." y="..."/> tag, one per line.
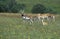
<point x="27" y="18"/>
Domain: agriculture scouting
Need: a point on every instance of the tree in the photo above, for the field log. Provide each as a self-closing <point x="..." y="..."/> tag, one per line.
<point x="18" y="7"/>
<point x="6" y="5"/>
<point x="11" y="6"/>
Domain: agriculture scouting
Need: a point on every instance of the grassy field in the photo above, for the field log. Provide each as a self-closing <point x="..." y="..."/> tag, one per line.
<point x="14" y="28"/>
<point x="54" y="4"/>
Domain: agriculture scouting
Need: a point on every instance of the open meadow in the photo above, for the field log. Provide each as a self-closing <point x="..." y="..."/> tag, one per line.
<point x="13" y="27"/>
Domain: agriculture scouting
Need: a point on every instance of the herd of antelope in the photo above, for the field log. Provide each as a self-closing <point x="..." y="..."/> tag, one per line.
<point x="40" y="17"/>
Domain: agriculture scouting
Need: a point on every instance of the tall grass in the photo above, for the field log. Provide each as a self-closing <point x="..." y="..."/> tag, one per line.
<point x="14" y="28"/>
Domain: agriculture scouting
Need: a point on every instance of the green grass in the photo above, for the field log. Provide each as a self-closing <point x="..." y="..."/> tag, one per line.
<point x="14" y="28"/>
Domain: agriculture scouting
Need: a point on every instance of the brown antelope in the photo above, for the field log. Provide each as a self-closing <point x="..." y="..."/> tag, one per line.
<point x="41" y="17"/>
<point x="44" y="23"/>
<point x="51" y="16"/>
<point x="46" y="16"/>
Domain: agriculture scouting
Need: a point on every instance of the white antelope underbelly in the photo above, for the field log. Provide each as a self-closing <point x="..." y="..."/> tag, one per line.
<point x="26" y="18"/>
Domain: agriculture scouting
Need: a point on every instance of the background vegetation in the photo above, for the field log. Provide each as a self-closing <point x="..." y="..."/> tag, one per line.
<point x="14" y="6"/>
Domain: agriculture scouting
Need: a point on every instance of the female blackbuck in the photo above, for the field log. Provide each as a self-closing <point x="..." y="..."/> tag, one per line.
<point x="46" y="16"/>
<point x="44" y="23"/>
<point x="27" y="18"/>
<point x="42" y="16"/>
<point x="51" y="16"/>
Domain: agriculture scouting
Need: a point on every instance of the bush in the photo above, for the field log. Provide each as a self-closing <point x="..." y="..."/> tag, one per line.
<point x="39" y="8"/>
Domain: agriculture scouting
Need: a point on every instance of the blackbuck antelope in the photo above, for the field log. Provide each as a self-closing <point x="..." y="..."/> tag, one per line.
<point x="27" y="18"/>
<point x="39" y="17"/>
<point x="51" y="16"/>
<point x="46" y="16"/>
<point x="44" y="23"/>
